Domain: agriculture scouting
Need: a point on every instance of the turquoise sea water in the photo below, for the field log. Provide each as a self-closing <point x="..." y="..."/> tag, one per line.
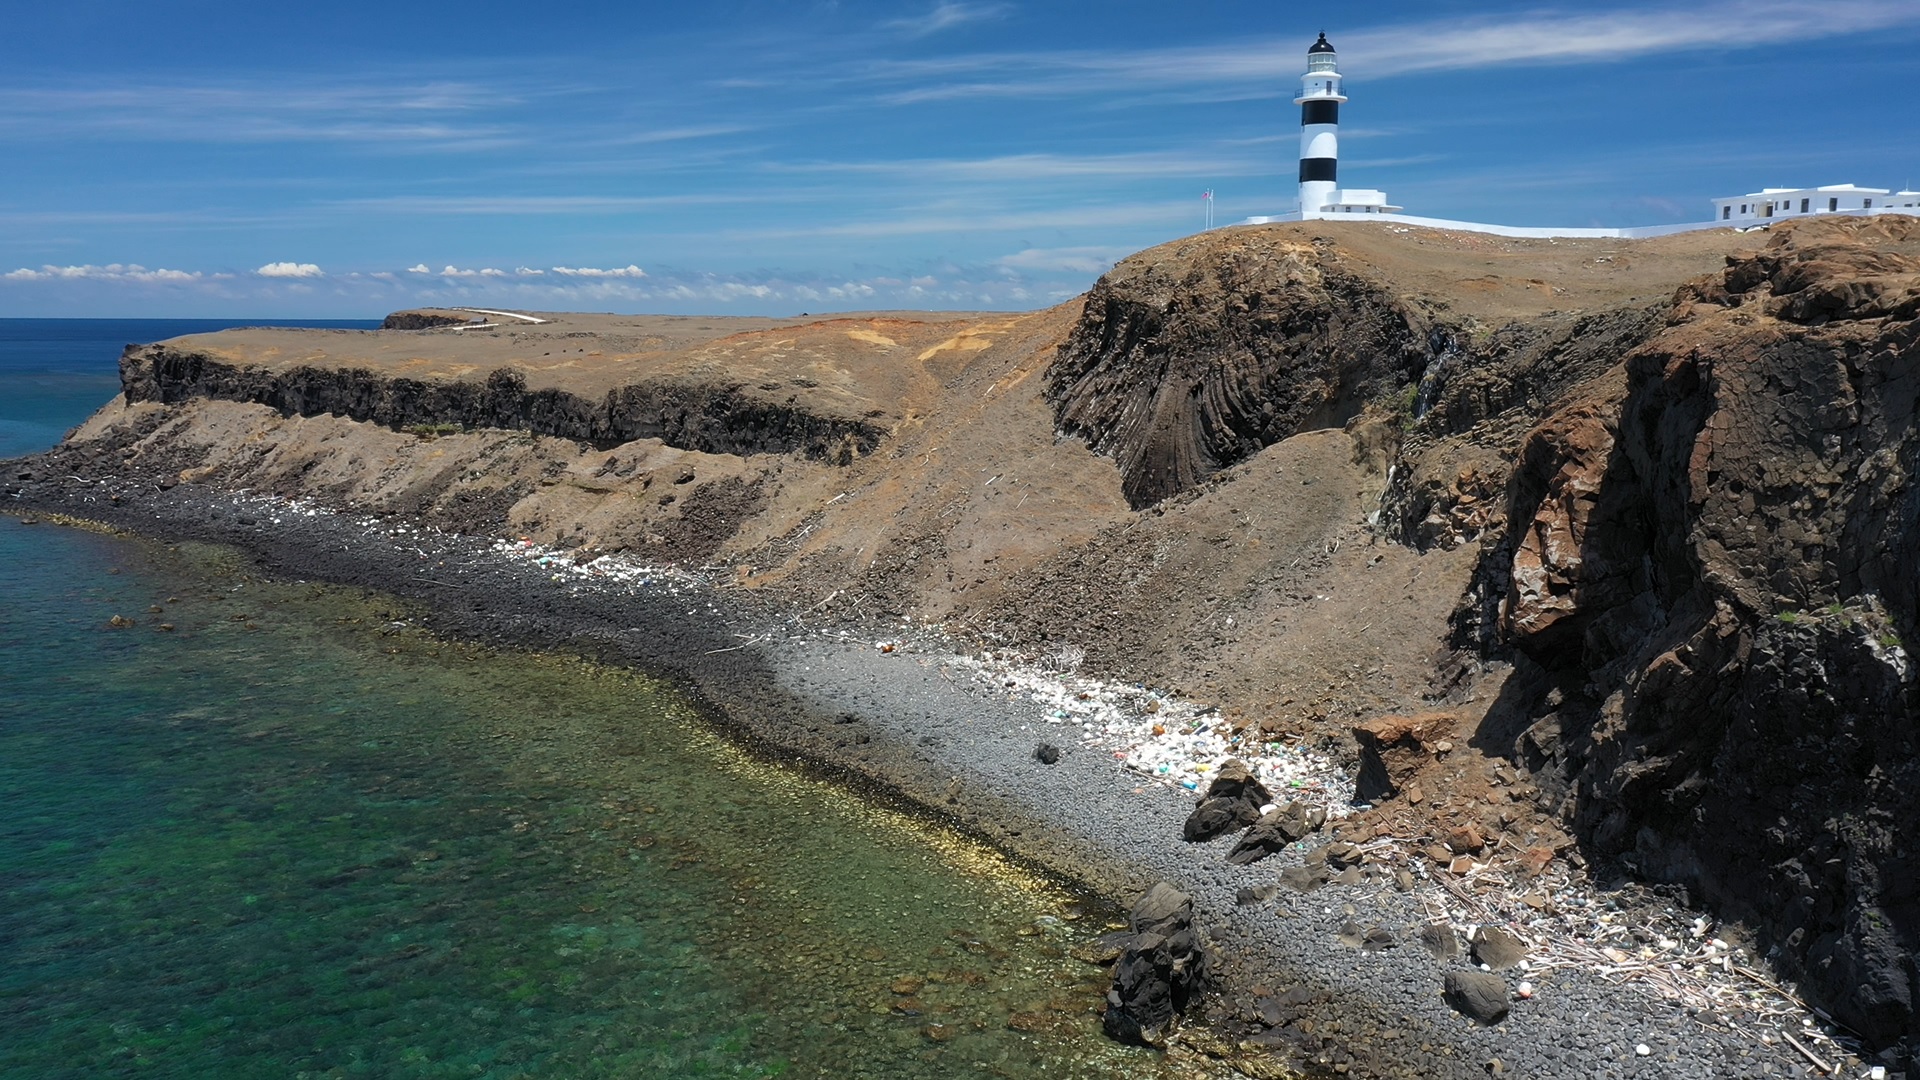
<point x="266" y="829"/>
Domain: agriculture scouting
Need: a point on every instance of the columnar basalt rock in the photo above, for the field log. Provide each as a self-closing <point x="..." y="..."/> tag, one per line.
<point x="1190" y="360"/>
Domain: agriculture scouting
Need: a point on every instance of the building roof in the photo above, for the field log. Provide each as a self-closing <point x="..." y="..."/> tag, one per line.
<point x="1829" y="189"/>
<point x="1323" y="45"/>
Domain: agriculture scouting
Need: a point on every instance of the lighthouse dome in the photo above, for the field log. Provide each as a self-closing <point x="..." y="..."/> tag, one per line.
<point x="1321" y="46"/>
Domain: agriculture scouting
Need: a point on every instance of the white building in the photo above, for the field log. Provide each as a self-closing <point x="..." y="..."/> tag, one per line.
<point x="1775" y="203"/>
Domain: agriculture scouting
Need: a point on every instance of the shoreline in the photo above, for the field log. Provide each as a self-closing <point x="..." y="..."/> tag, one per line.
<point x="900" y="726"/>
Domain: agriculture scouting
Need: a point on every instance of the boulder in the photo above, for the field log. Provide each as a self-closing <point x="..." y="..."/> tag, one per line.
<point x="1232" y="801"/>
<point x="1162" y="969"/>
<point x="1440" y="940"/>
<point x="1480" y="995"/>
<point x="1273" y="832"/>
<point x="1497" y="948"/>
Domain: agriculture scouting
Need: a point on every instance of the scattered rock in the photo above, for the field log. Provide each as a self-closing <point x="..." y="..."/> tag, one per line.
<point x="1255" y="894"/>
<point x="1232" y="801"/>
<point x="1046" y="753"/>
<point x="1440" y="940"/>
<point x="119" y="622"/>
<point x="1497" y="948"/>
<point x="1341" y="855"/>
<point x="907" y="985"/>
<point x="1273" y="832"/>
<point x="1303" y="878"/>
<point x="1464" y="839"/>
<point x="1480" y="995"/>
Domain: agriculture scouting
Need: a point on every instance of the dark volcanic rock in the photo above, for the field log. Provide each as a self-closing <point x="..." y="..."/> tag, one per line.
<point x="426" y="320"/>
<point x="1477" y="994"/>
<point x="1711" y="564"/>
<point x="1161" y="971"/>
<point x="1194" y="357"/>
<point x="714" y="419"/>
<point x="1273" y="832"/>
<point x="1440" y="940"/>
<point x="1232" y="801"/>
<point x="1497" y="948"/>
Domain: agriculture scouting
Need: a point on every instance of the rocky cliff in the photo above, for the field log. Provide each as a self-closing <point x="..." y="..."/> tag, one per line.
<point x="1705" y="563"/>
<point x="712" y="417"/>
<point x="1194" y="358"/>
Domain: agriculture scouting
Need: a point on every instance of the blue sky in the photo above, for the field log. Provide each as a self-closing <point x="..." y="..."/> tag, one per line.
<point x="206" y="157"/>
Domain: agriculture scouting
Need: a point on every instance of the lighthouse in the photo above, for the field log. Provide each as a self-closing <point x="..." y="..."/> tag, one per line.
<point x="1319" y="101"/>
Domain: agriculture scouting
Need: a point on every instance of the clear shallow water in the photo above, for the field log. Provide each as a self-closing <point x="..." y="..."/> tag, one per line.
<point x="294" y="836"/>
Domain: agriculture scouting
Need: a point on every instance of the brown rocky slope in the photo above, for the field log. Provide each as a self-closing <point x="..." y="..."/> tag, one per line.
<point x="1632" y="517"/>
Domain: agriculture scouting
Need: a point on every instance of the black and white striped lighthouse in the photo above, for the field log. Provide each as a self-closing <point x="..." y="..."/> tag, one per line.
<point x="1319" y="101"/>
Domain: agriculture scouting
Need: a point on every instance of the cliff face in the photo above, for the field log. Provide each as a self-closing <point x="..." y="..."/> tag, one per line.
<point x="1194" y="357"/>
<point x="1708" y="565"/>
<point x="710" y="418"/>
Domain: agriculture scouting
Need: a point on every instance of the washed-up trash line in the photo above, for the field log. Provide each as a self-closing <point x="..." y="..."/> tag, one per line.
<point x="1155" y="735"/>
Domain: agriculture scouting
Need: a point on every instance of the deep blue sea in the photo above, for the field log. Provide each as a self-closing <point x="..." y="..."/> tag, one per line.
<point x="269" y="829"/>
<point x="54" y="372"/>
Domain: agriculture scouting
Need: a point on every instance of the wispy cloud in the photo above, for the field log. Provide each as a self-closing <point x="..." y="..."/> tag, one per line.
<point x="1078" y="260"/>
<point x="946" y="16"/>
<point x="537" y="204"/>
<point x="1023" y="167"/>
<point x="931" y="221"/>
<point x="1540" y="37"/>
<point x="405" y="115"/>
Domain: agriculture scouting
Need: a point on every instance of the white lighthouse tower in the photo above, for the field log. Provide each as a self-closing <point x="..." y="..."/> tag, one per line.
<point x="1319" y="101"/>
<point x="1321" y="94"/>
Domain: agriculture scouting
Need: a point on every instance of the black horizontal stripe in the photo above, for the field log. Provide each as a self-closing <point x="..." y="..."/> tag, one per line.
<point x="1319" y="112"/>
<point x="1319" y="168"/>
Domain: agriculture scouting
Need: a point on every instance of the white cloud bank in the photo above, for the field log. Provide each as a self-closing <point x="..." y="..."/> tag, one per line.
<point x="290" y="270"/>
<point x="628" y="271"/>
<point x="110" y="272"/>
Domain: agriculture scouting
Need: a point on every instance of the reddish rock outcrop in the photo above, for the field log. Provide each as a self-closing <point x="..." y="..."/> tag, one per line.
<point x="1393" y="750"/>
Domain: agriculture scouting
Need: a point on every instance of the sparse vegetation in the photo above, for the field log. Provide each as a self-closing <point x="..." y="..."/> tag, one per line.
<point x="430" y="432"/>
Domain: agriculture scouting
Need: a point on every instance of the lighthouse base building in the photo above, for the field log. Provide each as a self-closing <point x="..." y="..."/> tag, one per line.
<point x="1323" y="91"/>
